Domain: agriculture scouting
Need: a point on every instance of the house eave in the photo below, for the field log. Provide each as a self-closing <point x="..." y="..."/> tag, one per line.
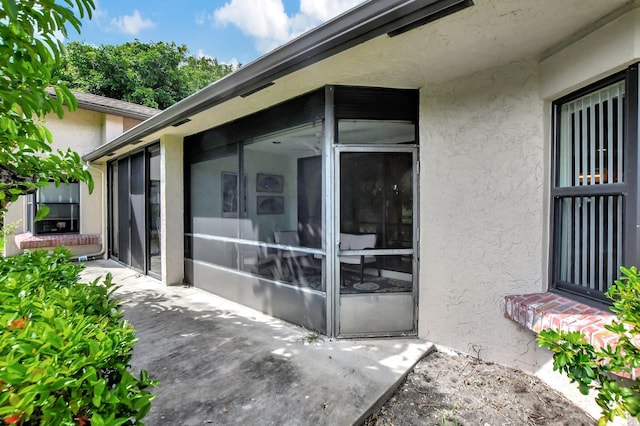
<point x="356" y="26"/>
<point x="105" y="105"/>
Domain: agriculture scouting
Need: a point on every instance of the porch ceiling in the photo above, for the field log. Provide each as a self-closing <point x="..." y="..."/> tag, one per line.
<point x="489" y="34"/>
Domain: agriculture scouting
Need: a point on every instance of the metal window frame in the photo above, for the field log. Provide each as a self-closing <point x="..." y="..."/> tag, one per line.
<point x="628" y="188"/>
<point x="33" y="199"/>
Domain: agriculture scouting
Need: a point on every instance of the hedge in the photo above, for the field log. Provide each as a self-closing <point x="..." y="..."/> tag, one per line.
<point x="65" y="347"/>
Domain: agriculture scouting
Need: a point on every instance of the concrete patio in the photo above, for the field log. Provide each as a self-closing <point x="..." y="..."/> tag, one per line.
<point x="222" y="363"/>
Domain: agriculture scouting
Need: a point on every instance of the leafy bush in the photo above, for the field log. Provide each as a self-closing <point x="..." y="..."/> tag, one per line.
<point x="64" y="347"/>
<point x="603" y="369"/>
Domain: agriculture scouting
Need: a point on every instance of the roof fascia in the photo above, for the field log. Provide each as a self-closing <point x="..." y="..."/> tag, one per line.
<point x="354" y="27"/>
<point x="96" y="106"/>
<point x="113" y="110"/>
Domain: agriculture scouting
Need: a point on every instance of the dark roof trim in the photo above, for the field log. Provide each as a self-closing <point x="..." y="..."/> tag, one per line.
<point x="354" y="27"/>
<point x="91" y="102"/>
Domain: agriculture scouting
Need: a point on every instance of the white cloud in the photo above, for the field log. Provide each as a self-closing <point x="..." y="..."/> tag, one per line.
<point x="201" y="17"/>
<point x="132" y="24"/>
<point x="201" y="54"/>
<point x="265" y="21"/>
<point x="99" y="13"/>
<point x="233" y="61"/>
<point x="323" y="10"/>
<point x="269" y="25"/>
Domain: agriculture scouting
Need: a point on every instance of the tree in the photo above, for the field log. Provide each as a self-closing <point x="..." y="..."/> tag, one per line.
<point x="602" y="369"/>
<point x="30" y="51"/>
<point x="156" y="74"/>
<point x="200" y="72"/>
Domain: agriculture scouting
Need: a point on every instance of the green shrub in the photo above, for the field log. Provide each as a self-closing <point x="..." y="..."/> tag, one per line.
<point x="64" y="347"/>
<point x="602" y="369"/>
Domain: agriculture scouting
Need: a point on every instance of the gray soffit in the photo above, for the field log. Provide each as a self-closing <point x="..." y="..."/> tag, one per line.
<point x="363" y="23"/>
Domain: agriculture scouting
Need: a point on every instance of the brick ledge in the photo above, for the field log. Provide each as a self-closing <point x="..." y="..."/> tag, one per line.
<point x="540" y="311"/>
<point x="29" y="241"/>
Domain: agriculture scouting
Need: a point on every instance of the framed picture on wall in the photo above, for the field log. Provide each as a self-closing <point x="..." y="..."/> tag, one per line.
<point x="270" y="204"/>
<point x="269" y="183"/>
<point x="230" y="195"/>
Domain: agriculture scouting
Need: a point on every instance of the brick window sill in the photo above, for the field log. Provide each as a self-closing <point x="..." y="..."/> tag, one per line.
<point x="29" y="241"/>
<point x="540" y="311"/>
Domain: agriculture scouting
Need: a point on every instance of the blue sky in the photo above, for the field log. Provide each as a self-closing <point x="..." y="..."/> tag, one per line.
<point x="233" y="31"/>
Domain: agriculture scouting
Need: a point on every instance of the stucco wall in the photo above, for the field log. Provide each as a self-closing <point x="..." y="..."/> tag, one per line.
<point x="482" y="197"/>
<point x="172" y="209"/>
<point x="82" y="131"/>
<point x="609" y="48"/>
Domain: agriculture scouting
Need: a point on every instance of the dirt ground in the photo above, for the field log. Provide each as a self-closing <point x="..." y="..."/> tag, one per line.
<point x="449" y="390"/>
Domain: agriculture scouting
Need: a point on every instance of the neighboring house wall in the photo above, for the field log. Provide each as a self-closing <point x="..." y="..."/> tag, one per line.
<point x="81" y="131"/>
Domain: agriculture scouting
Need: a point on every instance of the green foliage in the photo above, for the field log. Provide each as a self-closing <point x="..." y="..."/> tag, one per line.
<point x="600" y="369"/>
<point x="29" y="52"/>
<point x="64" y="347"/>
<point x="152" y="74"/>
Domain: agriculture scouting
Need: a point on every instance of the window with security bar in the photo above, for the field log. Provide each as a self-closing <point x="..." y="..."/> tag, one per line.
<point x="591" y="188"/>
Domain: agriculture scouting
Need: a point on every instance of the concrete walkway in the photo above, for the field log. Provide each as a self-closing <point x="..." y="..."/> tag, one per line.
<point x="222" y="363"/>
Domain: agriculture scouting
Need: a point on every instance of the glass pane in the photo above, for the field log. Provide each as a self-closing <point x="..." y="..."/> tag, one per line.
<point x="214" y="200"/>
<point x="137" y="219"/>
<point x="153" y="230"/>
<point x="376" y="196"/>
<point x="64" y="193"/>
<point x="589" y="241"/>
<point x="284" y="190"/>
<point x="376" y="132"/>
<point x="222" y="253"/>
<point x="288" y="266"/>
<point x="280" y="200"/>
<point x="591" y="144"/>
<point x="62" y="218"/>
<point x="122" y="191"/>
<point x="367" y="274"/>
<point x="114" y="229"/>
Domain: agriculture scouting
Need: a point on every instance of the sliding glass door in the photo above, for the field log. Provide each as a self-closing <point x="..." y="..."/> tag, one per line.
<point x="134" y="213"/>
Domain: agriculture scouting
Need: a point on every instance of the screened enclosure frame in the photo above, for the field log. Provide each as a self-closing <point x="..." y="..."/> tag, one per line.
<point x="214" y="259"/>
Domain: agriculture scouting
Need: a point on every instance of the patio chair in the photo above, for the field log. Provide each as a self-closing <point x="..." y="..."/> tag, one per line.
<point x="358" y="242"/>
<point x="293" y="259"/>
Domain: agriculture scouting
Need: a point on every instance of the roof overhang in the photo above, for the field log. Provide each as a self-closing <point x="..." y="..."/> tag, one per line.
<point x="354" y="27"/>
<point x="91" y="102"/>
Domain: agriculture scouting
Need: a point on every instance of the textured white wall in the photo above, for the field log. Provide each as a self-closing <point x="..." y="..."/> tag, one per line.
<point x="482" y="198"/>
<point x="14" y="216"/>
<point x="172" y="209"/>
<point x="113" y="127"/>
<point x="80" y="130"/>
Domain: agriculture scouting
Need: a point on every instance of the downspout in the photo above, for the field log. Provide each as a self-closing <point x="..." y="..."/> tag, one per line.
<point x="103" y="227"/>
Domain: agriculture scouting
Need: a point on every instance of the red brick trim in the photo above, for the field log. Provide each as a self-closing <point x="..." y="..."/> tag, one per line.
<point x="539" y="311"/>
<point x="29" y="241"/>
